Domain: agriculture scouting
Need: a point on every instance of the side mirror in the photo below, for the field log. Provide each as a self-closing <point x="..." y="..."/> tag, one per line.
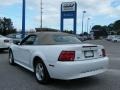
<point x="17" y="43"/>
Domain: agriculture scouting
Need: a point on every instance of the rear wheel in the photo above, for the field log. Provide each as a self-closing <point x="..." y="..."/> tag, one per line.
<point x="41" y="73"/>
<point x="11" y="58"/>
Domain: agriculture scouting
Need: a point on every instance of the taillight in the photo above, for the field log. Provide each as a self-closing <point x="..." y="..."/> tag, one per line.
<point x="103" y="53"/>
<point x="67" y="56"/>
<point x="6" y="41"/>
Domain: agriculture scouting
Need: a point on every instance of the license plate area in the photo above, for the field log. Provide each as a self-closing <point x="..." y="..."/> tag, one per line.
<point x="89" y="53"/>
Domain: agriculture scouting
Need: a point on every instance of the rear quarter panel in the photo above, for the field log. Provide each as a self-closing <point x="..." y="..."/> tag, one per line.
<point x="49" y="53"/>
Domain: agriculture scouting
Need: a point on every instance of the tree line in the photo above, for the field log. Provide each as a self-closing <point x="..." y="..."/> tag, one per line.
<point x="6" y="26"/>
<point x="111" y="29"/>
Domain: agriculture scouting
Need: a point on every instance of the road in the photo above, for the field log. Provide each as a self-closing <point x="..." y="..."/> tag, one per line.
<point x="18" y="78"/>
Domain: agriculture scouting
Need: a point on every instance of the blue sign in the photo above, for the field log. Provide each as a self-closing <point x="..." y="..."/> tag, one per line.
<point x="69" y="11"/>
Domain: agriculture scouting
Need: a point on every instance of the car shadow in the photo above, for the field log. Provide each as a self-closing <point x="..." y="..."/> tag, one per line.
<point x="75" y="84"/>
<point x="66" y="84"/>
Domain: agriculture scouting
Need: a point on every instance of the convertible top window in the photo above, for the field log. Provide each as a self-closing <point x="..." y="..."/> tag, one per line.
<point x="29" y="40"/>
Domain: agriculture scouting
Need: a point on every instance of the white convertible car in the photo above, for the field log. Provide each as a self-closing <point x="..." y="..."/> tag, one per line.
<point x="58" y="55"/>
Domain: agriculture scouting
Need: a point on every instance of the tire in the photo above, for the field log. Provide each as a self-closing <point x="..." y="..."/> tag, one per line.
<point x="1" y="50"/>
<point x="41" y="73"/>
<point x="11" y="58"/>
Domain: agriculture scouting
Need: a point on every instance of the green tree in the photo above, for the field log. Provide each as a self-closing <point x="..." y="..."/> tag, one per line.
<point x="111" y="27"/>
<point x="70" y="32"/>
<point x="85" y="33"/>
<point x="117" y="26"/>
<point x="6" y="26"/>
<point x="96" y="27"/>
<point x="99" y="31"/>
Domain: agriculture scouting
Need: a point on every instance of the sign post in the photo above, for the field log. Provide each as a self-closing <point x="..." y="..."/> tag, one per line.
<point x="69" y="11"/>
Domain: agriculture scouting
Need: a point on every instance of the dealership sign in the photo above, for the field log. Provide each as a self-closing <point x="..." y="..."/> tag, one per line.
<point x="68" y="11"/>
<point x="68" y="6"/>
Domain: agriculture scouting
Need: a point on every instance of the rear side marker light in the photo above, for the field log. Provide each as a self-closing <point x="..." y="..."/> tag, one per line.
<point x="67" y="56"/>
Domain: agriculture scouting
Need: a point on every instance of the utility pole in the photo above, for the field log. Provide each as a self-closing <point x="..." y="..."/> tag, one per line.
<point x="41" y="11"/>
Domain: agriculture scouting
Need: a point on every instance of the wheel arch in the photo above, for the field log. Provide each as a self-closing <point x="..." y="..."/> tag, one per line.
<point x="39" y="59"/>
<point x="10" y="49"/>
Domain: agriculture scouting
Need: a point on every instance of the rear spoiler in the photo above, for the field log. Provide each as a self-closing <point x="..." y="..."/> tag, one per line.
<point x="88" y="46"/>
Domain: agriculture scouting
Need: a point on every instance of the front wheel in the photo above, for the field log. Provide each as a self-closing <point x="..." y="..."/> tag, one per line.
<point x="11" y="58"/>
<point x="41" y="73"/>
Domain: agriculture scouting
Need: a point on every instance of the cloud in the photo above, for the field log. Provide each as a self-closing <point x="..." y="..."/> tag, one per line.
<point x="93" y="7"/>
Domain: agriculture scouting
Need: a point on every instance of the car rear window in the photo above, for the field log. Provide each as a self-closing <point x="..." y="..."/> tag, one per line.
<point x="65" y="39"/>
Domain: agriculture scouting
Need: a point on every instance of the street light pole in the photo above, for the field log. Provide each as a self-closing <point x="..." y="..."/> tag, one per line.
<point x="41" y="14"/>
<point x="91" y="26"/>
<point x="88" y="25"/>
<point x="83" y="21"/>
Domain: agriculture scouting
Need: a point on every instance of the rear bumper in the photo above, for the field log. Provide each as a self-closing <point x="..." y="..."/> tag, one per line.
<point x="78" y="69"/>
<point x="5" y="46"/>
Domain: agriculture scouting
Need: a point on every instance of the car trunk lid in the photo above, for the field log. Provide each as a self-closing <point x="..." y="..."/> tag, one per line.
<point x="87" y="52"/>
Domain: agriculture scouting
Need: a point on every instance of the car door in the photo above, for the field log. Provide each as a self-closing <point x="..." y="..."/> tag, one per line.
<point x="23" y="51"/>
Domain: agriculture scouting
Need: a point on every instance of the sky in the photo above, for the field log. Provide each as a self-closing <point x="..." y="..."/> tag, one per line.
<point x="100" y="12"/>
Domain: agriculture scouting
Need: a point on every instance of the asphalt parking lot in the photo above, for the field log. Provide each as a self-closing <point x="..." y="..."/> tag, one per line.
<point x="18" y="78"/>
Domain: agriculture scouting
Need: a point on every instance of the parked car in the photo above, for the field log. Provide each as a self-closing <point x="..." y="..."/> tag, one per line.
<point x="116" y="39"/>
<point x="5" y="42"/>
<point x="58" y="55"/>
<point x="83" y="38"/>
<point x="17" y="38"/>
<point x="110" y="37"/>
